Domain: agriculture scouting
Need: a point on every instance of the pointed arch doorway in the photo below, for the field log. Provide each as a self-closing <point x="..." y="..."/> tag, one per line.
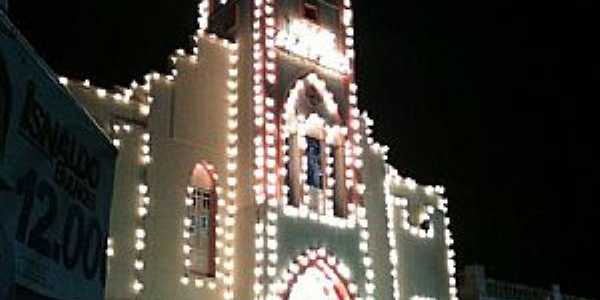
<point x="317" y="279"/>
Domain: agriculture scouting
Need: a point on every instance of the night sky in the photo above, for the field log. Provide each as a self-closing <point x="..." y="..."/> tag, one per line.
<point x="476" y="96"/>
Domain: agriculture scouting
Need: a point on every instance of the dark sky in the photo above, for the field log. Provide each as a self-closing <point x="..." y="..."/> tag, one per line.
<point x="479" y="96"/>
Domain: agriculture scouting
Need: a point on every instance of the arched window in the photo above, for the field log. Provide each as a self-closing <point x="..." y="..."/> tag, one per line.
<point x="314" y="148"/>
<point x="313" y="151"/>
<point x="201" y="225"/>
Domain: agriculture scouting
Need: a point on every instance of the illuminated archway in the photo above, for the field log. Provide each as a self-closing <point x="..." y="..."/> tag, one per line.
<point x="318" y="276"/>
<point x="318" y="284"/>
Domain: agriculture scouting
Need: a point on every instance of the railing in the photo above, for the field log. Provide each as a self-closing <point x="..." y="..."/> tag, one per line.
<point x="504" y="290"/>
<point x="569" y="297"/>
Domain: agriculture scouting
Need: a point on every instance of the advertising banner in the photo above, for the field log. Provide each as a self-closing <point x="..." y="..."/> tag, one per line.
<point x="56" y="176"/>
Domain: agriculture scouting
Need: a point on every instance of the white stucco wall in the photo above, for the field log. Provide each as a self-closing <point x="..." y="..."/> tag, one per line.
<point x="189" y="125"/>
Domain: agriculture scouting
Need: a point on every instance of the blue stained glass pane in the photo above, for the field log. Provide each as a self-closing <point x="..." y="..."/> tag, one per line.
<point x="313" y="154"/>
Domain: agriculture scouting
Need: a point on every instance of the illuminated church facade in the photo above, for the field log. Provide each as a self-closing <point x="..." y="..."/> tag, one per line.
<point x="248" y="172"/>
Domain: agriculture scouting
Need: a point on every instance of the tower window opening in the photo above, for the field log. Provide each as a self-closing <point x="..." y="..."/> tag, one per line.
<point x="310" y="12"/>
<point x="314" y="151"/>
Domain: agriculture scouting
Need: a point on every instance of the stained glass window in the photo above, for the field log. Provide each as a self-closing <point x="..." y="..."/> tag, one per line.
<point x="315" y="170"/>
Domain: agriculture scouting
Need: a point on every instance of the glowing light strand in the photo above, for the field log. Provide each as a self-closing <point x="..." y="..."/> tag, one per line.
<point x="314" y="43"/>
<point x="271" y="145"/>
<point x="355" y="163"/>
<point x="143" y="200"/>
<point x="393" y="179"/>
<point x="118" y="130"/>
<point x="232" y="153"/>
<point x="259" y="149"/>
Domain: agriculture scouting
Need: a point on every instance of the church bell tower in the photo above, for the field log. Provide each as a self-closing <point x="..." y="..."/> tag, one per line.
<point x="297" y="64"/>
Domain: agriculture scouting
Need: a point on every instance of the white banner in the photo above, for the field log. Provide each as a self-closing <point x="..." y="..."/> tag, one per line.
<point x="56" y="175"/>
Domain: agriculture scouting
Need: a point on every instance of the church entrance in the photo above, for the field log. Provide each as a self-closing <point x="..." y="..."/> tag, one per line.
<point x="318" y="282"/>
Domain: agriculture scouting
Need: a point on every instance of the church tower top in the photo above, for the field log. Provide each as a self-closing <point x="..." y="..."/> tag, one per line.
<point x="317" y="31"/>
